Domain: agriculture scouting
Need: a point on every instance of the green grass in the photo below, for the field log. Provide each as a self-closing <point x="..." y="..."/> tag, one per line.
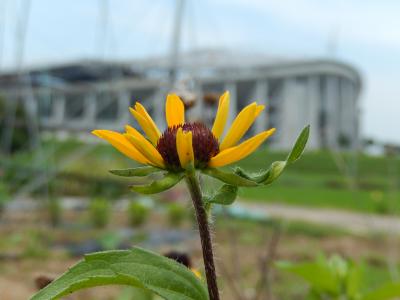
<point x="315" y="180"/>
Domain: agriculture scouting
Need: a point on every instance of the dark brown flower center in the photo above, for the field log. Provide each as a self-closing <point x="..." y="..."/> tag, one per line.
<point x="205" y="145"/>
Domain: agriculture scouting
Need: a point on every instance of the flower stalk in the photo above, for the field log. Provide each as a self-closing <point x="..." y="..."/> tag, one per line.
<point x="205" y="235"/>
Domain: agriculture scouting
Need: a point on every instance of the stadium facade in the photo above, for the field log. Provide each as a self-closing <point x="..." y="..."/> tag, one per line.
<point x="78" y="97"/>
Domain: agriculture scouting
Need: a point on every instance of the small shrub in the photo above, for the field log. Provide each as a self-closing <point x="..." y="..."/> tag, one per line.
<point x="176" y="214"/>
<point x="35" y="245"/>
<point x="138" y="213"/>
<point x="381" y="203"/>
<point x="100" y="212"/>
<point x="4" y="197"/>
<point x="54" y="210"/>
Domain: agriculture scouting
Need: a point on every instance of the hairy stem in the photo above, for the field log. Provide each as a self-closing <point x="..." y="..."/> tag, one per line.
<point x="205" y="236"/>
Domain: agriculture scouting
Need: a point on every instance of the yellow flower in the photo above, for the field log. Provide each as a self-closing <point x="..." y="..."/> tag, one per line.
<point x="184" y="145"/>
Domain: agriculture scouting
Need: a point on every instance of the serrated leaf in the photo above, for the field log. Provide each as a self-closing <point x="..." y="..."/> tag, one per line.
<point x="385" y="292"/>
<point x="229" y="177"/>
<point x="136" y="267"/>
<point x="160" y="185"/>
<point x="225" y="195"/>
<point x="136" y="172"/>
<point x="299" y="145"/>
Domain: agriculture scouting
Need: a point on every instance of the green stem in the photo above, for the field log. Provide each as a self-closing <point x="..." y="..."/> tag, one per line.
<point x="205" y="236"/>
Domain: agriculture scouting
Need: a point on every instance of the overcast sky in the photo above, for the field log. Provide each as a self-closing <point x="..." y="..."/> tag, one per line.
<point x="364" y="33"/>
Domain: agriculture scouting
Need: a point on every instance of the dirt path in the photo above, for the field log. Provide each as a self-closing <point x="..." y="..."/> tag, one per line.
<point x="354" y="222"/>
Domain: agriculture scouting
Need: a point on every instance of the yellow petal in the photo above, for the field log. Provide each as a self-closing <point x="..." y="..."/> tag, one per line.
<point x="241" y="124"/>
<point x="174" y="110"/>
<point x="240" y="151"/>
<point x="146" y="122"/>
<point x="147" y="149"/>
<point x="121" y="144"/>
<point x="129" y="129"/>
<point x="259" y="109"/>
<point x="221" y="116"/>
<point x="184" y="147"/>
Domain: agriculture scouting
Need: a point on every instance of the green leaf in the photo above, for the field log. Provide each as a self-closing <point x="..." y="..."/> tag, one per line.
<point x="136" y="267"/>
<point x="354" y="280"/>
<point x="299" y="146"/>
<point x="138" y="172"/>
<point x="160" y="185"/>
<point x="131" y="293"/>
<point x="385" y="292"/>
<point x="225" y="195"/>
<point x="229" y="177"/>
<point x="319" y="276"/>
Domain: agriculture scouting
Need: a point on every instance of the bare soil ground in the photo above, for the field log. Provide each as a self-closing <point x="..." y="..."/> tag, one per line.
<point x="239" y="249"/>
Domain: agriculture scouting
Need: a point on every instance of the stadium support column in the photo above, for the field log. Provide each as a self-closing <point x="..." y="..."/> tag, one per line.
<point x="158" y="107"/>
<point x="198" y="112"/>
<point x="90" y="109"/>
<point x="123" y="111"/>
<point x="353" y="116"/>
<point x="261" y="96"/>
<point x="332" y="101"/>
<point x="313" y="110"/>
<point x="290" y="112"/>
<point x="59" y="110"/>
<point x="232" y="88"/>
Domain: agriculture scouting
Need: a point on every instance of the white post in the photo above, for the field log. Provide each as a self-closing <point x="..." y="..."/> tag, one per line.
<point x="59" y="110"/>
<point x="232" y="88"/>
<point x="313" y="109"/>
<point x="124" y="116"/>
<point x="159" y="108"/>
<point x="332" y="100"/>
<point x="261" y="96"/>
<point x="90" y="109"/>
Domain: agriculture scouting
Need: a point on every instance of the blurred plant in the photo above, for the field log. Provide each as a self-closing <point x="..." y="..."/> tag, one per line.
<point x="4" y="197"/>
<point x="35" y="245"/>
<point x="19" y="139"/>
<point x="336" y="278"/>
<point x="110" y="240"/>
<point x="184" y="151"/>
<point x="176" y="214"/>
<point x="138" y="213"/>
<point x="100" y="212"/>
<point x="54" y="210"/>
<point x="382" y="205"/>
<point x="106" y="188"/>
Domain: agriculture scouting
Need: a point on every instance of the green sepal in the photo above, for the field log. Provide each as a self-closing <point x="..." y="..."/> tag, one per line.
<point x="160" y="185"/>
<point x="137" y="267"/>
<point x="136" y="172"/>
<point x="229" y="177"/>
<point x="225" y="195"/>
<point x="272" y="173"/>
<point x="264" y="177"/>
<point x="277" y="167"/>
<point x="299" y="145"/>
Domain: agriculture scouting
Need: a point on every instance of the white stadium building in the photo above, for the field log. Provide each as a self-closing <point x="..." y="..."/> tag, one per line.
<point x="80" y="96"/>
